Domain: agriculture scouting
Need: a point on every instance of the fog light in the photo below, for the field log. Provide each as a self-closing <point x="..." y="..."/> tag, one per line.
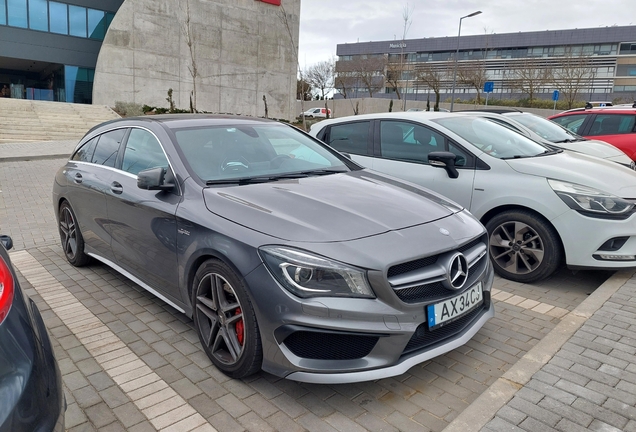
<point x="609" y="257"/>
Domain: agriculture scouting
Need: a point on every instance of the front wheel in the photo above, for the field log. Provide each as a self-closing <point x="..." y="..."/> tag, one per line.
<point x="225" y="320"/>
<point x="523" y="246"/>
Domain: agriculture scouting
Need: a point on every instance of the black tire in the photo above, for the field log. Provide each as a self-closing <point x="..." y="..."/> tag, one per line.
<point x="220" y="303"/>
<point x="523" y="246"/>
<point x="71" y="237"/>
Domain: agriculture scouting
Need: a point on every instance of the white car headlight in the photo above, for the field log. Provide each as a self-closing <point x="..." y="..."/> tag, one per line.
<point x="308" y="275"/>
<point x="590" y="201"/>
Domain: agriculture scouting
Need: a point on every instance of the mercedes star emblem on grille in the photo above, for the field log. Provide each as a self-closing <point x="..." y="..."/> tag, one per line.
<point x="457" y="271"/>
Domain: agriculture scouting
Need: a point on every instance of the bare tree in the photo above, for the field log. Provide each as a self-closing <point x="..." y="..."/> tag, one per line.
<point x="433" y="76"/>
<point x="303" y="90"/>
<point x="473" y="74"/>
<point x="573" y="74"/>
<point x="530" y="76"/>
<point x="369" y="71"/>
<point x="320" y="76"/>
<point x="406" y="17"/>
<point x="345" y="82"/>
<point x="393" y="77"/>
<point x="190" y="41"/>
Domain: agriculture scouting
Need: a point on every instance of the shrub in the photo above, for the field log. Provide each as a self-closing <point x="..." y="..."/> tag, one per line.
<point x="128" y="109"/>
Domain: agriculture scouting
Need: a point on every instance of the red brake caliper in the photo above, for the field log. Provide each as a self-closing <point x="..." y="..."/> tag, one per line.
<point x="240" y="327"/>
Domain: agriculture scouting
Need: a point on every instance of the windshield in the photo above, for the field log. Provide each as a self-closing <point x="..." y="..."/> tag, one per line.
<point x="268" y="151"/>
<point x="492" y="138"/>
<point x="545" y="128"/>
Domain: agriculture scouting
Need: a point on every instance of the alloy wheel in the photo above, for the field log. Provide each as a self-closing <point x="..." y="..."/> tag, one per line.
<point x="220" y="318"/>
<point x="68" y="231"/>
<point x="516" y="247"/>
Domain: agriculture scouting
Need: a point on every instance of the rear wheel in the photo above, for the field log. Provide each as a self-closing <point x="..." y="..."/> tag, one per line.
<point x="225" y="320"/>
<point x="71" y="237"/>
<point x="523" y="246"/>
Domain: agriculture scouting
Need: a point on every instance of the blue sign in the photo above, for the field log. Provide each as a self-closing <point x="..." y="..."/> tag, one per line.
<point x="555" y="95"/>
<point x="489" y="86"/>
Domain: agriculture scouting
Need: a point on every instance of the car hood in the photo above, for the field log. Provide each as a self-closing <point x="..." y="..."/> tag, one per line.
<point x="599" y="149"/>
<point x="581" y="169"/>
<point x="336" y="207"/>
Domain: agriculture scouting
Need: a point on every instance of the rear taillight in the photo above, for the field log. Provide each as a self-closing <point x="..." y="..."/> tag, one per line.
<point x="6" y="289"/>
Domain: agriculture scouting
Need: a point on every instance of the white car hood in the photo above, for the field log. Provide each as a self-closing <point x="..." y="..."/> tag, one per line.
<point x="582" y="169"/>
<point x="599" y="149"/>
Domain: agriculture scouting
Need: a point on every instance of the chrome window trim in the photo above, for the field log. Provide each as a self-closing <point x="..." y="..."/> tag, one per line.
<point x="118" y="170"/>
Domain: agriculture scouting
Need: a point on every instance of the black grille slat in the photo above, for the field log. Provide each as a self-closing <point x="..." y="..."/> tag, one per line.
<point x="406" y="267"/>
<point x="329" y="346"/>
<point x="423" y="337"/>
<point x="420" y="293"/>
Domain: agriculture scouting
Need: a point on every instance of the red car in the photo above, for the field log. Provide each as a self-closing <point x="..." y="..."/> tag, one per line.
<point x="615" y="125"/>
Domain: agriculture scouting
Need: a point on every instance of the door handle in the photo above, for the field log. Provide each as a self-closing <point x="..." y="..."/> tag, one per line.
<point x="116" y="188"/>
<point x="78" y="178"/>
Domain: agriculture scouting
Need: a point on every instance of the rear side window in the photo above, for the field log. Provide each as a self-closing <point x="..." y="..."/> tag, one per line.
<point x="350" y="137"/>
<point x="108" y="147"/>
<point x="572" y="122"/>
<point x="612" y="124"/>
<point x="85" y="153"/>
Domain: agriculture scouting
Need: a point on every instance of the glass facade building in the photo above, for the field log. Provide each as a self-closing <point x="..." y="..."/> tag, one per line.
<point x="71" y="29"/>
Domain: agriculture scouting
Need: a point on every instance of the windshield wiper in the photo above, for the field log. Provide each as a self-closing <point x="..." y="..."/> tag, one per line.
<point x="251" y="180"/>
<point x="565" y="141"/>
<point x="324" y="171"/>
<point x="550" y="152"/>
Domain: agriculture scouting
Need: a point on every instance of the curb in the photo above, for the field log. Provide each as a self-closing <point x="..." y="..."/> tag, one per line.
<point x="34" y="157"/>
<point x="485" y="407"/>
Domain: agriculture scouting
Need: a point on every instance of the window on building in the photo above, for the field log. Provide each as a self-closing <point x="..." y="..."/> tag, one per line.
<point x="38" y="15"/>
<point x="17" y="13"/>
<point x="96" y="24"/>
<point x="77" y="21"/>
<point x="58" y="18"/>
<point x="3" y="12"/>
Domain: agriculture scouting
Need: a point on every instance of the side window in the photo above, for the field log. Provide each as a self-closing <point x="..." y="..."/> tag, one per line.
<point x="571" y="122"/>
<point x="350" y="137"/>
<point x="85" y="153"/>
<point x="464" y="159"/>
<point x="108" y="147"/>
<point x="143" y="151"/>
<point x="612" y="124"/>
<point x="408" y="141"/>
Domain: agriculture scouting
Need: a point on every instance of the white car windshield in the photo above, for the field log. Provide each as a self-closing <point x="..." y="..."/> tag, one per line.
<point x="491" y="138"/>
<point x="545" y="128"/>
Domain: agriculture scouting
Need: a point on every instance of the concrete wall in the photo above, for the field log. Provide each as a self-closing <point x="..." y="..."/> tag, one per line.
<point x="243" y="51"/>
<point x="345" y="107"/>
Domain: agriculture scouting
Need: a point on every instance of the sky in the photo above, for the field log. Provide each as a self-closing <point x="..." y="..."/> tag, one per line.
<point x="326" y="23"/>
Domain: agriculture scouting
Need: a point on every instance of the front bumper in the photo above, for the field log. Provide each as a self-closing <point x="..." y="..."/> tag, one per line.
<point x="584" y="238"/>
<point x="352" y="340"/>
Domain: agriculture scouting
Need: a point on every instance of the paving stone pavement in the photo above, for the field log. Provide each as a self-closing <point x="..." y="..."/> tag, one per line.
<point x="159" y="340"/>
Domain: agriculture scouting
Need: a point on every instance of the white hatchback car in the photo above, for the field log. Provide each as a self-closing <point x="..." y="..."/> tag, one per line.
<point x="540" y="205"/>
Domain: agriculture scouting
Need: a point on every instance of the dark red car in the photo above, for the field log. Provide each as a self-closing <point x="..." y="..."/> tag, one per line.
<point x="615" y="125"/>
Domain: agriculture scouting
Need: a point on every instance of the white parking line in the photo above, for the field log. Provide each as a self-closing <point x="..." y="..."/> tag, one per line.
<point x="164" y="408"/>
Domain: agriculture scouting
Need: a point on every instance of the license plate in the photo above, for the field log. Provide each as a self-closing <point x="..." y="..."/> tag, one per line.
<point x="451" y="309"/>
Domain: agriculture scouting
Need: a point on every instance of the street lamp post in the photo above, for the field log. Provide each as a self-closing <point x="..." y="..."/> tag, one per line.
<point x="457" y="57"/>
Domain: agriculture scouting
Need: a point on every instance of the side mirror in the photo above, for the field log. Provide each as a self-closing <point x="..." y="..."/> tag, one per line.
<point x="446" y="160"/>
<point x="153" y="179"/>
<point x="7" y="242"/>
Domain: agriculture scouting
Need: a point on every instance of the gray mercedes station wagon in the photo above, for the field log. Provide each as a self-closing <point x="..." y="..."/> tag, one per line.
<point x="288" y="256"/>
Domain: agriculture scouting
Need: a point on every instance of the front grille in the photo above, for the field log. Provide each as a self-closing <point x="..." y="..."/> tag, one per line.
<point x="423" y="337"/>
<point x="329" y="346"/>
<point x="411" y="266"/>
<point x="431" y="289"/>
